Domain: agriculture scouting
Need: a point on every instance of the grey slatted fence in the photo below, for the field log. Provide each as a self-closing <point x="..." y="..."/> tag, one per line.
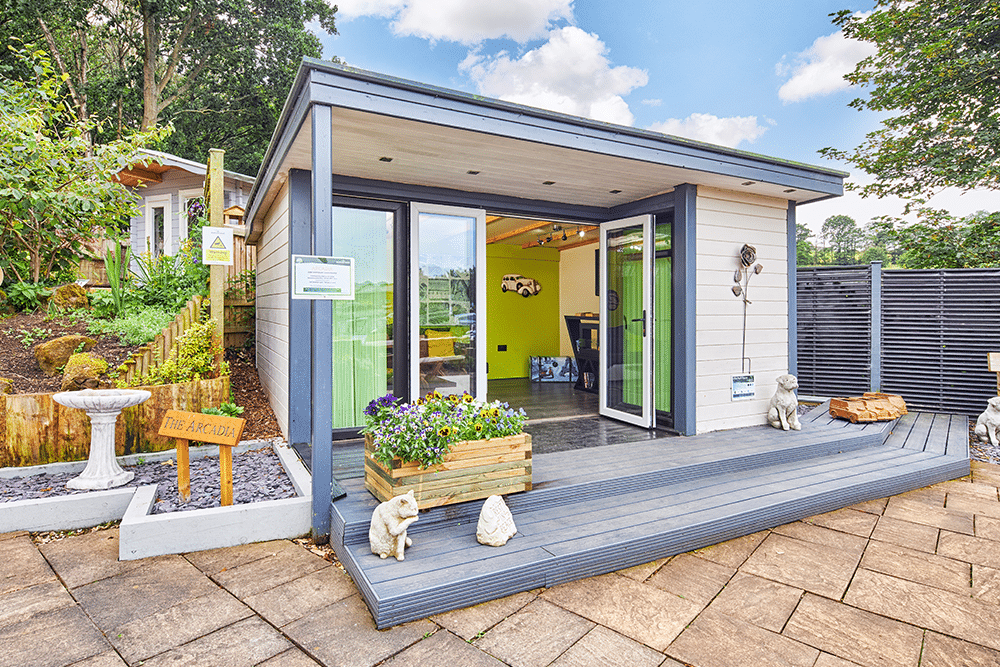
<point x="937" y="328"/>
<point x="933" y="330"/>
<point x="834" y="330"/>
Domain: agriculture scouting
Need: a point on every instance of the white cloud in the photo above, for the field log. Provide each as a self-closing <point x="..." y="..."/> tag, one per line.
<point x="653" y="103"/>
<point x="465" y="21"/>
<point x="570" y="73"/>
<point x="705" y="127"/>
<point x="820" y="69"/>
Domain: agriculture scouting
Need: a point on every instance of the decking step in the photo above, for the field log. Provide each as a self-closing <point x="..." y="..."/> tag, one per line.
<point x="653" y="502"/>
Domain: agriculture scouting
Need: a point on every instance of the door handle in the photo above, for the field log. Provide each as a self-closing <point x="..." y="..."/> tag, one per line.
<point x="643" y="320"/>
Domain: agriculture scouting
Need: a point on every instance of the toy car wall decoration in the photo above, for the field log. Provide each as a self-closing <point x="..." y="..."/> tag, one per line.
<point x="515" y="282"/>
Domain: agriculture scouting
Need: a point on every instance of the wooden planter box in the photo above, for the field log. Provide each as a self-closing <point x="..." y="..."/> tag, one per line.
<point x="473" y="469"/>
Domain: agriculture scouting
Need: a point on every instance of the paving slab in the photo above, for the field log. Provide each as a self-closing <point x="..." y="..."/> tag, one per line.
<point x="643" y="572"/>
<point x="23" y="566"/>
<point x="147" y="636"/>
<point x="293" y="657"/>
<point x="938" y="517"/>
<point x="817" y="568"/>
<point x="988" y="528"/>
<point x="284" y="565"/>
<point x="83" y="559"/>
<point x="853" y="634"/>
<point x="717" y="640"/>
<point x="692" y="578"/>
<point x="918" y="566"/>
<point x="22" y="604"/>
<point x="941" y="651"/>
<point x="469" y="622"/>
<point x="294" y="599"/>
<point x="109" y="659"/>
<point x="907" y="534"/>
<point x="605" y="648"/>
<point x="871" y="506"/>
<point x="956" y="615"/>
<point x="51" y="639"/>
<point x="14" y="535"/>
<point x="928" y="495"/>
<point x="641" y="612"/>
<point x="808" y="532"/>
<point x="764" y="603"/>
<point x="732" y="553"/>
<point x="141" y="592"/>
<point x="977" y="506"/>
<point x="827" y="660"/>
<point x="344" y="634"/>
<point x="968" y="489"/>
<point x="534" y="636"/>
<point x="213" y="561"/>
<point x="986" y="584"/>
<point x="846" y="520"/>
<point x="243" y="644"/>
<point x="970" y="549"/>
<point x="443" y="648"/>
<point x="985" y="473"/>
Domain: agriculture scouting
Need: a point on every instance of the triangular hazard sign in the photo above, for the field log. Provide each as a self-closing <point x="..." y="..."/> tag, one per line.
<point x="218" y="244"/>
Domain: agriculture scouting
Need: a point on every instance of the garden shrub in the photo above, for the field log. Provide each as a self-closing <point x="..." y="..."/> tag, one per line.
<point x="134" y="327"/>
<point x="193" y="358"/>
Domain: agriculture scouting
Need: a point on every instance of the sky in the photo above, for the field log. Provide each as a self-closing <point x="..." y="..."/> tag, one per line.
<point x="764" y="76"/>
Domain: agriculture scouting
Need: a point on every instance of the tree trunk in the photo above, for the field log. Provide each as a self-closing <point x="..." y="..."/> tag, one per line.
<point x="151" y="42"/>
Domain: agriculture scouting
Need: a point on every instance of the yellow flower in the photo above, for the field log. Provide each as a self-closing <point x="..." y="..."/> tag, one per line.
<point x="479" y="427"/>
<point x="467" y="398"/>
<point x="495" y="412"/>
<point x="444" y="431"/>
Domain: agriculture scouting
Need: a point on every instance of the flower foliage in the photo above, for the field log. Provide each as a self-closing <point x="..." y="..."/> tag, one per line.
<point x="425" y="429"/>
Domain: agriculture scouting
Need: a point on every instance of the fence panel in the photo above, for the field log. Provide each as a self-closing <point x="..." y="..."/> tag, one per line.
<point x="834" y="330"/>
<point x="937" y="328"/>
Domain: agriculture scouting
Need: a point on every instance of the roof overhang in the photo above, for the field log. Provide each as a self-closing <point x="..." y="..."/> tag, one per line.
<point x="390" y="130"/>
<point x="153" y="164"/>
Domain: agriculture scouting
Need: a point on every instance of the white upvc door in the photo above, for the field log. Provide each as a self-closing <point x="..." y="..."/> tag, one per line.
<point x="626" y="330"/>
<point x="158" y="219"/>
<point x="447" y="300"/>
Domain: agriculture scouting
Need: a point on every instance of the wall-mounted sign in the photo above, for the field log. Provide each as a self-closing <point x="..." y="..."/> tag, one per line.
<point x="315" y="277"/>
<point x="217" y="246"/>
<point x="743" y="387"/>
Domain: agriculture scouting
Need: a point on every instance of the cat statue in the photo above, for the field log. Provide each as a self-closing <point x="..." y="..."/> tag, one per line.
<point x="782" y="412"/>
<point x="387" y="533"/>
<point x="989" y="422"/>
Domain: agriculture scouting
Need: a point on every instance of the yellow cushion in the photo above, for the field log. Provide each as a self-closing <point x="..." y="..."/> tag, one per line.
<point x="440" y="343"/>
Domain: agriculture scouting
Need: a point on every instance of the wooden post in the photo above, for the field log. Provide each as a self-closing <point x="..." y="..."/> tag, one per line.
<point x="993" y="363"/>
<point x="226" y="474"/>
<point x="217" y="276"/>
<point x="183" y="470"/>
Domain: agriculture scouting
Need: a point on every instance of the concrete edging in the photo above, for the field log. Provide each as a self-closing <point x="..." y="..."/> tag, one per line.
<point x="142" y="535"/>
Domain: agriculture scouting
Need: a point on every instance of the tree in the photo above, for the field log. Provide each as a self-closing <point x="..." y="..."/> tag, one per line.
<point x="805" y="251"/>
<point x="940" y="241"/>
<point x="842" y="236"/>
<point x="57" y="191"/>
<point x="936" y="73"/>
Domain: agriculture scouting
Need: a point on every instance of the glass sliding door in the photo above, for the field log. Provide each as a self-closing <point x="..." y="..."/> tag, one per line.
<point x="626" y="257"/>
<point x="448" y="300"/>
<point x="663" y="321"/>
<point x="363" y="328"/>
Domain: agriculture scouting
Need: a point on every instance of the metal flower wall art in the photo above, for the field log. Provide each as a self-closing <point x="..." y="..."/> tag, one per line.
<point x="747" y="268"/>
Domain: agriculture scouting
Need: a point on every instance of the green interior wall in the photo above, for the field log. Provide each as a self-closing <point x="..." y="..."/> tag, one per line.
<point x="529" y="327"/>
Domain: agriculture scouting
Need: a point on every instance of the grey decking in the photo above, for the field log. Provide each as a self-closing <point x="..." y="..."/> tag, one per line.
<point x="599" y="510"/>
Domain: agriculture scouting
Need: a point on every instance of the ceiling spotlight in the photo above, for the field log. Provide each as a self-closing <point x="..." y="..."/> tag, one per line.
<point x="385" y="159"/>
<point x="615" y="192"/>
<point x="549" y="239"/>
<point x="472" y="172"/>
<point x="564" y="235"/>
<point x="540" y="241"/>
<point x="748" y="182"/>
<point x="580" y="231"/>
<point x="548" y="182"/>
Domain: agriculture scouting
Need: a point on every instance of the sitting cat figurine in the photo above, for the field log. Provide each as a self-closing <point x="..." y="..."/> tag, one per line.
<point x="387" y="533"/>
<point x="989" y="422"/>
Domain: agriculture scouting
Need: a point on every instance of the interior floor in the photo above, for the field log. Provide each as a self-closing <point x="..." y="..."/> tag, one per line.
<point x="543" y="400"/>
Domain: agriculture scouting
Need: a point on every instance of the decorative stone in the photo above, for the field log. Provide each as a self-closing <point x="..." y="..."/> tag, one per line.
<point x="496" y="524"/>
<point x="103" y="407"/>
<point x="54" y="354"/>
<point x="989" y="422"/>
<point x="387" y="532"/>
<point x="70" y="297"/>
<point x="783" y="410"/>
<point x="6" y="386"/>
<point x="82" y="372"/>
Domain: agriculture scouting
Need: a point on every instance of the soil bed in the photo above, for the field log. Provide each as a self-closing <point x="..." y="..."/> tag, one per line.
<point x="257" y="475"/>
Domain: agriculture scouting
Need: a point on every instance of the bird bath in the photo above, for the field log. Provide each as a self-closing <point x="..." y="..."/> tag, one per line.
<point x="103" y="407"/>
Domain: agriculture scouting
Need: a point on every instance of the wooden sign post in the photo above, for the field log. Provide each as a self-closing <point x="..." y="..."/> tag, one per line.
<point x="223" y="431"/>
<point x="993" y="363"/>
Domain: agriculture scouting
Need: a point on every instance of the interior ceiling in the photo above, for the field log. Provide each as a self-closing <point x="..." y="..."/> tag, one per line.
<point x="384" y="148"/>
<point x="527" y="233"/>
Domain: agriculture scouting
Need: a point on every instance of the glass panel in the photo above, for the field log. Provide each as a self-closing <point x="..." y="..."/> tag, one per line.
<point x="447" y="319"/>
<point x="625" y="320"/>
<point x="362" y="328"/>
<point x="662" y="322"/>
<point x="158" y="215"/>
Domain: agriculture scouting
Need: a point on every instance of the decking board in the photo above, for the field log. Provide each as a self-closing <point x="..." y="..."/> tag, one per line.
<point x="629" y="504"/>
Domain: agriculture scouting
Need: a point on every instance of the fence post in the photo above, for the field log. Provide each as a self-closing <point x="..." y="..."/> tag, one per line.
<point x="876" y="326"/>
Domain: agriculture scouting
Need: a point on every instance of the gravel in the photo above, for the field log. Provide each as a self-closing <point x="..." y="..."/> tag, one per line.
<point x="257" y="475"/>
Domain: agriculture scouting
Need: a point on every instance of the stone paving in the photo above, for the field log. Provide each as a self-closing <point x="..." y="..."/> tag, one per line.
<point x="905" y="581"/>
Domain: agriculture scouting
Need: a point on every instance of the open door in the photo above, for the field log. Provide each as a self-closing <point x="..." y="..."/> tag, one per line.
<point x="626" y="369"/>
<point x="447" y="300"/>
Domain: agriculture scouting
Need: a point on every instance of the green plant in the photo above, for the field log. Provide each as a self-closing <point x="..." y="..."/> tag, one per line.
<point x="134" y="327"/>
<point x="193" y="358"/>
<point x="168" y="281"/>
<point x="36" y="334"/>
<point x="27" y="296"/>
<point x="115" y="262"/>
<point x="227" y="409"/>
<point x="243" y="286"/>
<point x="424" y="430"/>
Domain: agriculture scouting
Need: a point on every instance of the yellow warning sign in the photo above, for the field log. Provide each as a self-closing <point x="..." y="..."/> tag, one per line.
<point x="217" y="245"/>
